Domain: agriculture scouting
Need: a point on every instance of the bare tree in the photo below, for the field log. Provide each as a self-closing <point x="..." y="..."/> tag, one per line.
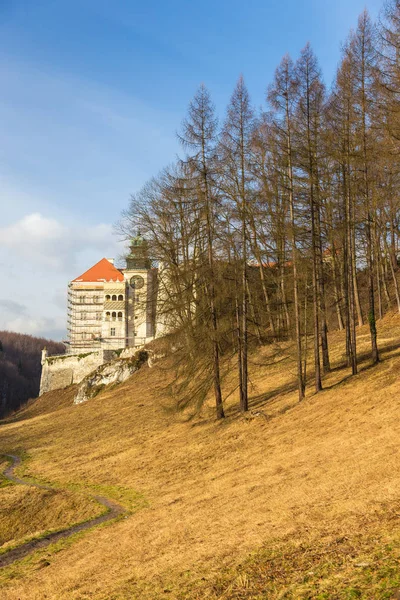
<point x="308" y="125"/>
<point x="198" y="136"/>
<point x="236" y="140"/>
<point x="362" y="53"/>
<point x="283" y="97"/>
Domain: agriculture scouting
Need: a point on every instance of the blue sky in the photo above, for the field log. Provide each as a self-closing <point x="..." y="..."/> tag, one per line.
<point x="93" y="92"/>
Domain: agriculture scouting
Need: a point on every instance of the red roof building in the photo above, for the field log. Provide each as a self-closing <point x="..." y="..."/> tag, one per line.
<point x="110" y="308"/>
<point x="104" y="271"/>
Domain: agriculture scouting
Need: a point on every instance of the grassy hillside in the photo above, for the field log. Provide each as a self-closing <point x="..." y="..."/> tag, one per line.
<point x="26" y="512"/>
<point x="290" y="501"/>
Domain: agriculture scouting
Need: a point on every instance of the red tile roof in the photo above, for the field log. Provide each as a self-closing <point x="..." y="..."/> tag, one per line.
<point x="101" y="271"/>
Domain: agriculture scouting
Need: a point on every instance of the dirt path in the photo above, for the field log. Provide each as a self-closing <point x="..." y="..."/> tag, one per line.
<point x="114" y="510"/>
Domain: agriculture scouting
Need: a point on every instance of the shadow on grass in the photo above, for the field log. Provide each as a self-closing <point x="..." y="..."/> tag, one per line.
<point x="364" y="365"/>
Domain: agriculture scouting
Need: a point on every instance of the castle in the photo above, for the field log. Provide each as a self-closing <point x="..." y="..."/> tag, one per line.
<point x="110" y="308"/>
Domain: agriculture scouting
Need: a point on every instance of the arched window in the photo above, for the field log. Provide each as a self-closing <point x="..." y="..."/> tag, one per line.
<point x="114" y="298"/>
<point x="120" y="297"/>
<point x="120" y="316"/>
<point x="95" y="299"/>
<point x="83" y="316"/>
<point x="108" y="297"/>
<point x="82" y="299"/>
<point x="107" y="316"/>
<point x="114" y="316"/>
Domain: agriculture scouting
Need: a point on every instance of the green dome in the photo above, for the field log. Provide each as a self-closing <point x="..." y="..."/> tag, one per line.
<point x="138" y="257"/>
<point x="138" y="240"/>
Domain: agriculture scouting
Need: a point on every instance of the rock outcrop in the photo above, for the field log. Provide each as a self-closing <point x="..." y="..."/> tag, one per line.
<point x="111" y="373"/>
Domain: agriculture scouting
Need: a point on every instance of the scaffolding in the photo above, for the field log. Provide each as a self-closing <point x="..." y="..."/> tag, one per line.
<point x="109" y="315"/>
<point x="85" y="313"/>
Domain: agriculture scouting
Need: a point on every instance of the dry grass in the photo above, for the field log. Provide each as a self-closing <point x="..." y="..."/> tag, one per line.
<point x="362" y="565"/>
<point x="27" y="512"/>
<point x="216" y="491"/>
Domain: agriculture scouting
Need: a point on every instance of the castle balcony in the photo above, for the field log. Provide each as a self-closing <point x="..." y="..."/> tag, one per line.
<point x="114" y="305"/>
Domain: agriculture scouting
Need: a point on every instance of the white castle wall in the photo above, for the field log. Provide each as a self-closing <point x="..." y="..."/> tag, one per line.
<point x="61" y="371"/>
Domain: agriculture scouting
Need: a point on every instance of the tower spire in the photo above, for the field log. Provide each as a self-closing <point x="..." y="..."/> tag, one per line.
<point x="139" y="255"/>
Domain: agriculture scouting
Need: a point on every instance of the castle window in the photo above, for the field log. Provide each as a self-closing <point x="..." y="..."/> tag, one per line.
<point x="108" y="297"/>
<point x="120" y="297"/>
<point x="98" y="316"/>
<point x="83" y="316"/>
<point x="95" y="299"/>
<point x="112" y="332"/>
<point x="114" y="298"/>
<point x="82" y="299"/>
<point x="114" y="316"/>
<point x="107" y="316"/>
<point x="120" y="316"/>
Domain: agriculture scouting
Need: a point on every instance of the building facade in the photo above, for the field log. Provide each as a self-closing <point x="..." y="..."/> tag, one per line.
<point x="110" y="308"/>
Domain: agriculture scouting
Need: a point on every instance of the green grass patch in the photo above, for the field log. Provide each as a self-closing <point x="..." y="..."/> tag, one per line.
<point x="84" y="355"/>
<point x="42" y="557"/>
<point x="5" y="482"/>
<point x="4" y="463"/>
<point x="44" y="534"/>
<point x="127" y="497"/>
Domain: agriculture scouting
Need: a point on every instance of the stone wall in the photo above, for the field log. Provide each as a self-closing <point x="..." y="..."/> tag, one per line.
<point x="61" y="371"/>
<point x="112" y="373"/>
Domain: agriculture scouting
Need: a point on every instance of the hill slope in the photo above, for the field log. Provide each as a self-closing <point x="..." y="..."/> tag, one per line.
<point x="293" y="476"/>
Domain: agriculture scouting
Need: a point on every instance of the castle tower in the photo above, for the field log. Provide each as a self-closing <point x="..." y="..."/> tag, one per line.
<point x="141" y="290"/>
<point x="139" y="254"/>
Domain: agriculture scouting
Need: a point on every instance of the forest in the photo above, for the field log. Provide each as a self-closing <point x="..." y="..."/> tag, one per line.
<point x="277" y="226"/>
<point x="20" y="368"/>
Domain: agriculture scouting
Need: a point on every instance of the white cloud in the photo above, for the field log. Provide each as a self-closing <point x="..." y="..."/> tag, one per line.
<point x="40" y="254"/>
<point x="17" y="317"/>
<point x="40" y="327"/>
<point x="51" y="244"/>
<point x="34" y="228"/>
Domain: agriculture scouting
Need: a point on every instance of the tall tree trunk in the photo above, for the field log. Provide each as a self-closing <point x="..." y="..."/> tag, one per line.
<point x="355" y="280"/>
<point x="338" y="302"/>
<point x="258" y="256"/>
<point x="315" y="289"/>
<point x="253" y="314"/>
<point x="354" y="300"/>
<point x="239" y="341"/>
<point x="393" y="272"/>
<point x="301" y="382"/>
<point x="245" y="402"/>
